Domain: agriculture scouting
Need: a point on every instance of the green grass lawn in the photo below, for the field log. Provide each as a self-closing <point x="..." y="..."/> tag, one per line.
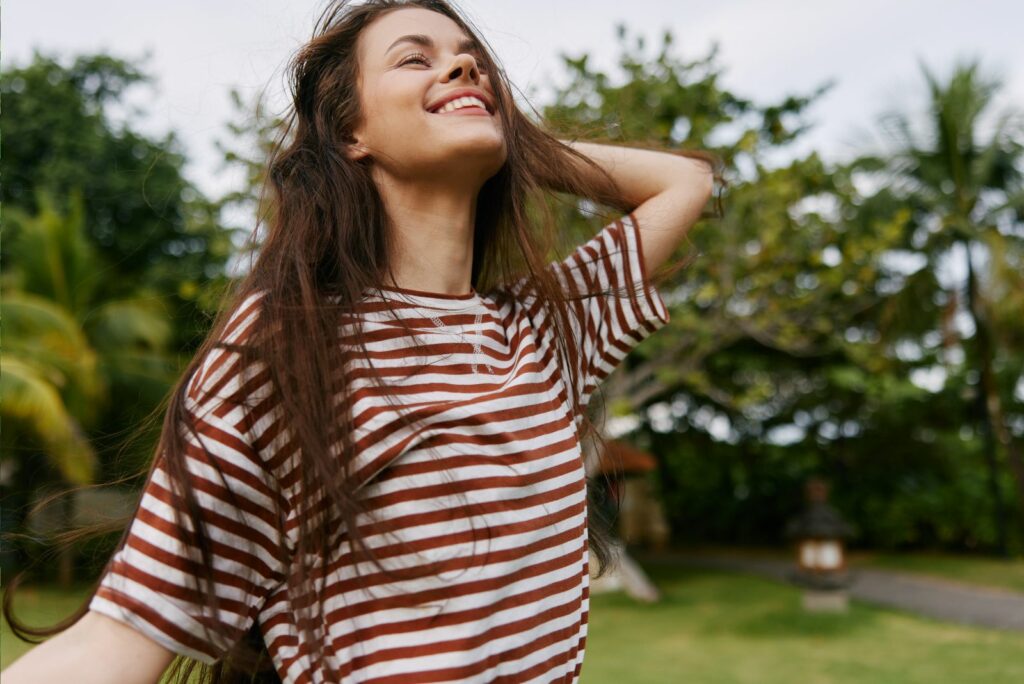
<point x="718" y="627"/>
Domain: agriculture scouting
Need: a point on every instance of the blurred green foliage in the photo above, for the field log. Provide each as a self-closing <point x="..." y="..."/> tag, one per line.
<point x="829" y="326"/>
<point x="111" y="268"/>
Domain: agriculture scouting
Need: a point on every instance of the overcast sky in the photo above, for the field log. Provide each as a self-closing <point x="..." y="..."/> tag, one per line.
<point x="201" y="48"/>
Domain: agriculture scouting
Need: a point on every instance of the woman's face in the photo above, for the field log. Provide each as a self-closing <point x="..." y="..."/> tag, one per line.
<point x="401" y="79"/>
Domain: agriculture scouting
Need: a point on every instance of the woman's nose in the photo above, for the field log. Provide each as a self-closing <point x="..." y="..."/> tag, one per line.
<point x="464" y="64"/>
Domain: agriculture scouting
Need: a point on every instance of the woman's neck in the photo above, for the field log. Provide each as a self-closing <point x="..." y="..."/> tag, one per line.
<point x="433" y="236"/>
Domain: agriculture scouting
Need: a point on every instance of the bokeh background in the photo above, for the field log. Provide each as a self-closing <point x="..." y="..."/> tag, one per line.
<point x="856" y="316"/>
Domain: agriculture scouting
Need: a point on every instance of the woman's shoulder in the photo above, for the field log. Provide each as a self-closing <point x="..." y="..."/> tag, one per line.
<point x="245" y="311"/>
<point x="225" y="362"/>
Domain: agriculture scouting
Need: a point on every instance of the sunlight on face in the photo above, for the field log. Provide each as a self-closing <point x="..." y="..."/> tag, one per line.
<point x="401" y="77"/>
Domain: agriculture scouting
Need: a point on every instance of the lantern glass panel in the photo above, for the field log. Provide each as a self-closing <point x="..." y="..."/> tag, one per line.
<point x="830" y="555"/>
<point x="809" y="553"/>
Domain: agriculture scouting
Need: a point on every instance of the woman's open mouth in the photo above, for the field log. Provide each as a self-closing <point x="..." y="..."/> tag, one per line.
<point x="467" y="105"/>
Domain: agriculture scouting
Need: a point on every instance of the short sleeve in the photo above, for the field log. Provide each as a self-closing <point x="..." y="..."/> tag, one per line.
<point x="148" y="583"/>
<point x="624" y="308"/>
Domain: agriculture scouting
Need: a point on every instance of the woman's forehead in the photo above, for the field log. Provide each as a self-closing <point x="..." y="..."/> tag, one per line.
<point x="411" y="26"/>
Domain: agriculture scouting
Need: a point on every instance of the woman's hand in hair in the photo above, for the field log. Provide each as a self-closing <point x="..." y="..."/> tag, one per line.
<point x="666" y="191"/>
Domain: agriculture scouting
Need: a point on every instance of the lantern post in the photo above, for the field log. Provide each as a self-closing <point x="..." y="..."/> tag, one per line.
<point x="821" y="559"/>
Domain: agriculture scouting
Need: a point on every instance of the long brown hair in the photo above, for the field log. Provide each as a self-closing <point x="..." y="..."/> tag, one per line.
<point x="327" y="242"/>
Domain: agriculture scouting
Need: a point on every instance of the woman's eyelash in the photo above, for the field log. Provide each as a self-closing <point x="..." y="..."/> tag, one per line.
<point x="420" y="57"/>
<point x="417" y="57"/>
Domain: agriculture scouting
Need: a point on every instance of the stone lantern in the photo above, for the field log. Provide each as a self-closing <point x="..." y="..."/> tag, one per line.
<point x="821" y="560"/>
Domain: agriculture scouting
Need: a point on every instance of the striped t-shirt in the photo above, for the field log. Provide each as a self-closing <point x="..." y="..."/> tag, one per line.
<point x="487" y="483"/>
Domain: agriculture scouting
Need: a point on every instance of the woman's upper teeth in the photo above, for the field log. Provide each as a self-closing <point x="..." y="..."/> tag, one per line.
<point x="460" y="102"/>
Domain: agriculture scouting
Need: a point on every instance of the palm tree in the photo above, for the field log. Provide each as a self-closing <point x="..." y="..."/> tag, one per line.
<point x="966" y="188"/>
<point x="65" y="345"/>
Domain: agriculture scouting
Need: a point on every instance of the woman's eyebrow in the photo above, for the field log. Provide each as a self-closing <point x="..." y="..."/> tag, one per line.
<point x="465" y="45"/>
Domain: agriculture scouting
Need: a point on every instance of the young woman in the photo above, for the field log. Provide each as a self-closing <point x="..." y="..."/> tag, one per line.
<point x="371" y="471"/>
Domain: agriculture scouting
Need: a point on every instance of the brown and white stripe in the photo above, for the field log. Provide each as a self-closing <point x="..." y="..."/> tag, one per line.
<point x="483" y="493"/>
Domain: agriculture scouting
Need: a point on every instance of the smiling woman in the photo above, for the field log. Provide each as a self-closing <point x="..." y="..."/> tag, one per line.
<point x="428" y="167"/>
<point x="372" y="469"/>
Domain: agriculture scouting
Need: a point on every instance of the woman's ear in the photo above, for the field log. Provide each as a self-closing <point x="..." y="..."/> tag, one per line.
<point x="355" y="151"/>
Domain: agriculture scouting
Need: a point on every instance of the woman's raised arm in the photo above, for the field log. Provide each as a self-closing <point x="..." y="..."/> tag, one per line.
<point x="667" y="192"/>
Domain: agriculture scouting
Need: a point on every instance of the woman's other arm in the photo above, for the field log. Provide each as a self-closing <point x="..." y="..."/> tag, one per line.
<point x="95" y="650"/>
<point x="668" y="191"/>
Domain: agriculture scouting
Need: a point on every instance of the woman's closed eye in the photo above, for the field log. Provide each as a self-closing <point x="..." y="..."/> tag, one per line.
<point x="422" y="59"/>
<point x="418" y="57"/>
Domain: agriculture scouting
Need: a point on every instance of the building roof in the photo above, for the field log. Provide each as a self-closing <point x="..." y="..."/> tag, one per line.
<point x="625" y="459"/>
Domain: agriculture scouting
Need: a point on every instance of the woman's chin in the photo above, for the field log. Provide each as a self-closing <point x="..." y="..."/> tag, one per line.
<point x="470" y="164"/>
<point x="466" y="145"/>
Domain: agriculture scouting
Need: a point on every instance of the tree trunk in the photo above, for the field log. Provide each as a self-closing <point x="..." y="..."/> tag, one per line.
<point x="66" y="553"/>
<point x="990" y="405"/>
